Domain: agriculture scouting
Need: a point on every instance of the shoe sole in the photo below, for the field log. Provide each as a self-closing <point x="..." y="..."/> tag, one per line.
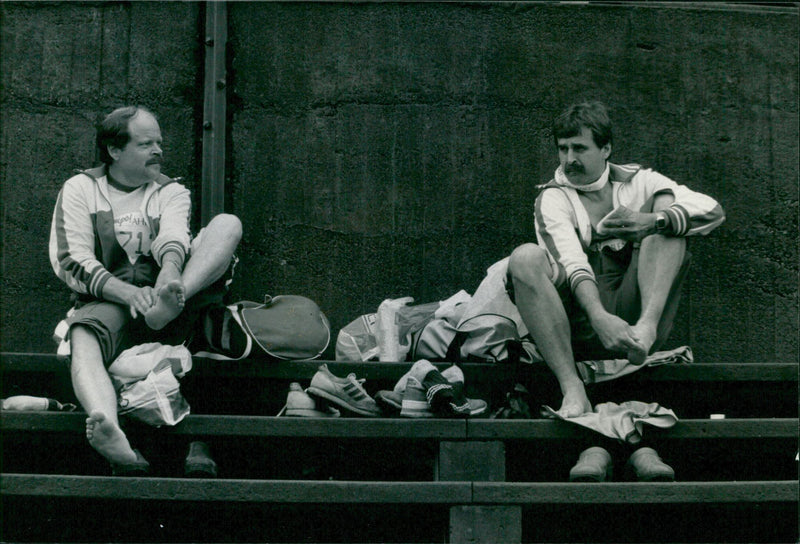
<point x="140" y="467"/>
<point x="586" y="479"/>
<point x="415" y="409"/>
<point x="478" y="411"/>
<point x="387" y="405"/>
<point x="306" y="412"/>
<point x="340" y="402"/>
<point x="200" y="470"/>
<point x="657" y="478"/>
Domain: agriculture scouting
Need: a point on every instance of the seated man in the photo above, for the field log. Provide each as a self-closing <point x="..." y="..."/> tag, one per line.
<point x="120" y="240"/>
<point x="605" y="277"/>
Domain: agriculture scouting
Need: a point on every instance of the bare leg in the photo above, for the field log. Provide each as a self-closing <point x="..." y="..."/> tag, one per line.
<point x="660" y="259"/>
<point x="543" y="313"/>
<point x="211" y="256"/>
<point x="96" y="394"/>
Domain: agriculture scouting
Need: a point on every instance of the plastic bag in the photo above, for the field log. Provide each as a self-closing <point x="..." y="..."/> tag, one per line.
<point x="392" y="326"/>
<point x="387" y="332"/>
<point x="356" y="340"/>
<point x="145" y="378"/>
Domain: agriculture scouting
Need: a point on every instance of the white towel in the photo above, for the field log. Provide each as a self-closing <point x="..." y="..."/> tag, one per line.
<point x="609" y="369"/>
<point x="624" y="421"/>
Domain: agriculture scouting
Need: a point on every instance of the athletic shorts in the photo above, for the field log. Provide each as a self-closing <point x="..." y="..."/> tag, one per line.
<point x="616" y="273"/>
<point x="117" y="331"/>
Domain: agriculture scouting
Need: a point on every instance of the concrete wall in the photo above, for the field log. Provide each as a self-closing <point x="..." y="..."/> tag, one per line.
<point x="383" y="149"/>
<point x="64" y="65"/>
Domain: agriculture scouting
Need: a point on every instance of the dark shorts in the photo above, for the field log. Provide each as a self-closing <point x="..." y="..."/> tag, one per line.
<point x="117" y="331"/>
<point x="616" y="273"/>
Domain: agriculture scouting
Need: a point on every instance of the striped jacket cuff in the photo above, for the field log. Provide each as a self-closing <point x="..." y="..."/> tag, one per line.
<point x="97" y="282"/>
<point x="578" y="276"/>
<point x="678" y="219"/>
<point x="173" y="247"/>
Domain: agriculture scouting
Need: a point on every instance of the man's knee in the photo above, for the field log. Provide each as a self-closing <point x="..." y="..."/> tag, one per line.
<point x="663" y="240"/>
<point x="84" y="347"/>
<point x="529" y="261"/>
<point x="228" y="226"/>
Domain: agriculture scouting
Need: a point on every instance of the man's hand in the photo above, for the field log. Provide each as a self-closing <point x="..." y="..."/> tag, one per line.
<point x="615" y="333"/>
<point x="627" y="224"/>
<point x="140" y="300"/>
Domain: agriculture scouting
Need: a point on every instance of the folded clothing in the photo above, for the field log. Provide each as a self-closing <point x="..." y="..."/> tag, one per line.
<point x="623" y="421"/>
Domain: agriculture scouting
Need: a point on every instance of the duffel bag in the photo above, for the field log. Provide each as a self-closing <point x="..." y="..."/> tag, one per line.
<point x="285" y="327"/>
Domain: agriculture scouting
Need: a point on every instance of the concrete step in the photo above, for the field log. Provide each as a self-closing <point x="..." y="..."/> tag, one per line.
<point x="283" y="491"/>
<point x="440" y="429"/>
<point x="259" y="387"/>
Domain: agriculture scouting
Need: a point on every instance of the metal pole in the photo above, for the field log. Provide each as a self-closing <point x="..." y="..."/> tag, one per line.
<point x="213" y="166"/>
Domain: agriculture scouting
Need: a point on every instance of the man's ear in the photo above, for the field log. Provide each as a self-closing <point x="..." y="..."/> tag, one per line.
<point x="113" y="152"/>
<point x="607" y="151"/>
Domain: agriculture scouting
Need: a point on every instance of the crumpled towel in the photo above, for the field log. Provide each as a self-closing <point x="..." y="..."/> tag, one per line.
<point x="624" y="421"/>
<point x="609" y="369"/>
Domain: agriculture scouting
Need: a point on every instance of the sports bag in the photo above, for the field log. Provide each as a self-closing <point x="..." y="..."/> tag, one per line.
<point x="285" y="327"/>
<point x="481" y="338"/>
<point x="488" y="328"/>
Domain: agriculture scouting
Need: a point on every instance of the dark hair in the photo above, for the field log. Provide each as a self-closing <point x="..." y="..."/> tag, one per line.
<point x="113" y="130"/>
<point x="592" y="115"/>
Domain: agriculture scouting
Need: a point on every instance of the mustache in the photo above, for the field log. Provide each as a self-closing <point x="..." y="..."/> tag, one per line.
<point x="574" y="169"/>
<point x="154" y="160"/>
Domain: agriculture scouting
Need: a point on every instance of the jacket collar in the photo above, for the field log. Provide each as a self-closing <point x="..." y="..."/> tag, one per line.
<point x="101" y="171"/>
<point x="620" y="173"/>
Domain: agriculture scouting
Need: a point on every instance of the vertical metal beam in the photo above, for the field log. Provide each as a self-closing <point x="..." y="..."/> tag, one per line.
<point x="214" y="111"/>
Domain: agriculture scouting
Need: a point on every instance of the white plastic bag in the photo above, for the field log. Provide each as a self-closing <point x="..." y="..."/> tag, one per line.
<point x="356" y="340"/>
<point x="145" y="378"/>
<point x="387" y="333"/>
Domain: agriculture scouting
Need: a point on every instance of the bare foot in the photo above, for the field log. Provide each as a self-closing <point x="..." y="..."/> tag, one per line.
<point x="646" y="335"/>
<point x="108" y="439"/>
<point x="169" y="304"/>
<point x="575" y="403"/>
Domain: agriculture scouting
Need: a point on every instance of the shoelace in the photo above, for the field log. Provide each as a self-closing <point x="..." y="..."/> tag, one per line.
<point x="463" y="409"/>
<point x="358" y="382"/>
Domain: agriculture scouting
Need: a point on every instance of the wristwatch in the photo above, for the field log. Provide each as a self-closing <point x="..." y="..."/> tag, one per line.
<point x="662" y="222"/>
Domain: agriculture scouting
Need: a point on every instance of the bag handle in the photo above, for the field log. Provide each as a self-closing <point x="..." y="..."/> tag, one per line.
<point x="161" y="400"/>
<point x="235" y="310"/>
<point x="514" y="347"/>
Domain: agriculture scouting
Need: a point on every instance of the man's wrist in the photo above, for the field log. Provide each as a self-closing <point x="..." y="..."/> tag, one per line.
<point x="662" y="222"/>
<point x="175" y="262"/>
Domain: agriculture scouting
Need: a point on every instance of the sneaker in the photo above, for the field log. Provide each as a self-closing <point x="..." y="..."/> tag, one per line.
<point x="442" y="397"/>
<point x="139" y="467"/>
<point x="452" y="374"/>
<point x="198" y="462"/>
<point x="392" y="401"/>
<point x="415" y="401"/>
<point x="649" y="467"/>
<point x="476" y="406"/>
<point x="389" y="401"/>
<point x="347" y="393"/>
<point x="300" y="404"/>
<point x="455" y="376"/>
<point x="594" y="465"/>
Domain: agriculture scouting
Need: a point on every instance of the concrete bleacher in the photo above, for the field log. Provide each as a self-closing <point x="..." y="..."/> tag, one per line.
<point x="399" y="480"/>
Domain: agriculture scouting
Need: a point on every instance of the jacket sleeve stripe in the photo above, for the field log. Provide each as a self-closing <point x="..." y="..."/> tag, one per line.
<point x="71" y="253"/>
<point x="575" y="271"/>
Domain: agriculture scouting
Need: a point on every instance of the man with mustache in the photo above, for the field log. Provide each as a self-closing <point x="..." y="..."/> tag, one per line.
<point x="120" y="240"/>
<point x="605" y="276"/>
